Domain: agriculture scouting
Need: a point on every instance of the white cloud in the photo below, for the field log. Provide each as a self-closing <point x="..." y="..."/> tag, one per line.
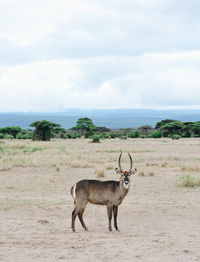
<point x="56" y="55"/>
<point x="152" y="80"/>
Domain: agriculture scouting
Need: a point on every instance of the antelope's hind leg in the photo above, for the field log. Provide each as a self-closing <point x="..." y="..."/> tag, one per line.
<point x="78" y="210"/>
<point x="80" y="215"/>
<point x="74" y="214"/>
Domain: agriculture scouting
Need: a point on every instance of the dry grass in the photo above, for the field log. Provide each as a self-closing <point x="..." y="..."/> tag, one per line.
<point x="141" y="173"/>
<point x="156" y="215"/>
<point x="188" y="181"/>
<point x="164" y="164"/>
<point x="147" y="173"/>
<point x="109" y="166"/>
<point x="100" y="173"/>
<point x="192" y="167"/>
<point x="80" y="164"/>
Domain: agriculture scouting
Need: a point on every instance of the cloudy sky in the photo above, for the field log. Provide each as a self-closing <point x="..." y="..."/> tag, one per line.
<point x="56" y="55"/>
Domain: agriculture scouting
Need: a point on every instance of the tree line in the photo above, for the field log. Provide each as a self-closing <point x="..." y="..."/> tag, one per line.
<point x="45" y="130"/>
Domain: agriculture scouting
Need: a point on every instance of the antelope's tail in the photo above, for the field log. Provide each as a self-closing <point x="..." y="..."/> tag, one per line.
<point x="73" y="191"/>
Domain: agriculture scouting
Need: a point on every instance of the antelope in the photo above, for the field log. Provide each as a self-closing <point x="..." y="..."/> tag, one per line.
<point x="110" y="193"/>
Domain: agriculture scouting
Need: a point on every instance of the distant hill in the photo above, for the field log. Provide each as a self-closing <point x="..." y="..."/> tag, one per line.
<point x="118" y="118"/>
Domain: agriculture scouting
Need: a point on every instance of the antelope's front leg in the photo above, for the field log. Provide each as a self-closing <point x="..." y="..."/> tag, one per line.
<point x="115" y="211"/>
<point x="109" y="210"/>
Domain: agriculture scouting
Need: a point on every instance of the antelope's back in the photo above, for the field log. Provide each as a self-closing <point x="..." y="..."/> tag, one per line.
<point x="96" y="191"/>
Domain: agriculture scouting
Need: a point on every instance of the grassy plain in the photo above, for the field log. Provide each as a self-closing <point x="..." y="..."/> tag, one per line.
<point x="159" y="220"/>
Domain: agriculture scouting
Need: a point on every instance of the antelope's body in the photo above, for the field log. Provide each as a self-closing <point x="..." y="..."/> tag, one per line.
<point x="110" y="193"/>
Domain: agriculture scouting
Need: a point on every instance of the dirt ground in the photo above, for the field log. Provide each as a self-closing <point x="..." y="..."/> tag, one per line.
<point x="158" y="220"/>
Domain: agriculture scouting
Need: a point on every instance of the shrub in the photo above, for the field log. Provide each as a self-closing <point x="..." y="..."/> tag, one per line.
<point x="32" y="150"/>
<point x="2" y="136"/>
<point x="11" y="130"/>
<point x="24" y="136"/>
<point x="96" y="138"/>
<point x="105" y="135"/>
<point x="186" y="181"/>
<point x="134" y="134"/>
<point x="113" y="135"/>
<point x="72" y="135"/>
<point x="175" y="137"/>
<point x="8" y="136"/>
<point x="156" y="134"/>
<point x="143" y="136"/>
<point x="123" y="137"/>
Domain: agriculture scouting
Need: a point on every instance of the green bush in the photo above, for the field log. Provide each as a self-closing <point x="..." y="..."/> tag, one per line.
<point x="134" y="134"/>
<point x="144" y="136"/>
<point x="156" y="134"/>
<point x="24" y="136"/>
<point x="11" y="130"/>
<point x="175" y="137"/>
<point x="72" y="135"/>
<point x="96" y="138"/>
<point x="8" y="136"/>
<point x="2" y="136"/>
<point x="105" y="135"/>
<point x="123" y="137"/>
<point x="186" y="181"/>
<point x="32" y="150"/>
<point x="113" y="135"/>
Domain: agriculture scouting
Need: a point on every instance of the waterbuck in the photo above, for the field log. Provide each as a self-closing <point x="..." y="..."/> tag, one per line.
<point x="110" y="193"/>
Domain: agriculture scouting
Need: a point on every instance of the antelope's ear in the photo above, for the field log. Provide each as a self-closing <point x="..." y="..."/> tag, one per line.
<point x="133" y="171"/>
<point x="117" y="171"/>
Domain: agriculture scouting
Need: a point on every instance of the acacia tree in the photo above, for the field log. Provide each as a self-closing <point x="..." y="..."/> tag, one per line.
<point x="11" y="130"/>
<point x="43" y="130"/>
<point x="172" y="128"/>
<point x="85" y="125"/>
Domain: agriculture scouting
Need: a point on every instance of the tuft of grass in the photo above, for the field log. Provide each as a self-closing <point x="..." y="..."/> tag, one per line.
<point x="141" y="173"/>
<point x="80" y="164"/>
<point x="52" y="180"/>
<point x="109" y="167"/>
<point x="100" y="173"/>
<point x="151" y="164"/>
<point x="187" y="181"/>
<point x="164" y="164"/>
<point x="191" y="168"/>
<point x="32" y="150"/>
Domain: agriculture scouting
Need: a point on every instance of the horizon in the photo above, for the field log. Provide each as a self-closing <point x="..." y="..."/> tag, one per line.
<point x="114" y="119"/>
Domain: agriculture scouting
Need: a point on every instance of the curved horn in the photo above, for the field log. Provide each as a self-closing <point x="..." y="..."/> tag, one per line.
<point x="131" y="162"/>
<point x="119" y="162"/>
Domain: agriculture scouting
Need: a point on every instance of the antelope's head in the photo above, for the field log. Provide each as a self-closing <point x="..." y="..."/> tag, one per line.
<point x="125" y="175"/>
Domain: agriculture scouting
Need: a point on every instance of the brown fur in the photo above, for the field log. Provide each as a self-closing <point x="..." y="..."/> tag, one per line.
<point x="110" y="193"/>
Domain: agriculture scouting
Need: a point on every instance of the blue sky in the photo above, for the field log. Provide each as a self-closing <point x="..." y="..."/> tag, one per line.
<point x="56" y="55"/>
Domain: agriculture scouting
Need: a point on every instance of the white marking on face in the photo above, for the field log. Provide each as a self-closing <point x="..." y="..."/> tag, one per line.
<point x="126" y="184"/>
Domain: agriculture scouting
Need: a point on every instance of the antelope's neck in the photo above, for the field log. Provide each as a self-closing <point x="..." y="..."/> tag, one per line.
<point x="123" y="188"/>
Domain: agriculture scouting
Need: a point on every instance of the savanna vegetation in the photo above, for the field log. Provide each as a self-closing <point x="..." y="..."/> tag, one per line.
<point x="159" y="218"/>
<point x="45" y="130"/>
